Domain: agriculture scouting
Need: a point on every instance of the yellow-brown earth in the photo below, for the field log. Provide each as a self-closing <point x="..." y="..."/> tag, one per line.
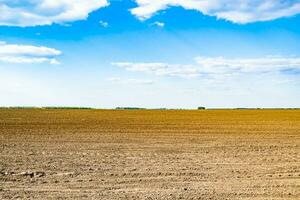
<point x="115" y="154"/>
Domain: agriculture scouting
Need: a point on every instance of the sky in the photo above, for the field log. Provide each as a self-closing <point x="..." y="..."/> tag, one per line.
<point x="150" y="53"/>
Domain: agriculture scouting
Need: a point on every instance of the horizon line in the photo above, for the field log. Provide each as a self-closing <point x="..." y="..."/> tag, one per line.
<point x="141" y="108"/>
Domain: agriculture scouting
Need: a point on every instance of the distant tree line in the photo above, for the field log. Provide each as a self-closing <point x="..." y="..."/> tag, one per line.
<point x="130" y="108"/>
<point x="19" y="107"/>
<point x="70" y="108"/>
<point x="137" y="108"/>
<point x="58" y="108"/>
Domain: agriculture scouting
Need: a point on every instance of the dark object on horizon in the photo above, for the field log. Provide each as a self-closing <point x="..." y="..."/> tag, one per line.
<point x="201" y="108"/>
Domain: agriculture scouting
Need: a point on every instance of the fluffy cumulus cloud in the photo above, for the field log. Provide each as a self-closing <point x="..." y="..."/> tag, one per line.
<point x="45" y="12"/>
<point x="216" y="67"/>
<point x="26" y="54"/>
<point x="237" y="11"/>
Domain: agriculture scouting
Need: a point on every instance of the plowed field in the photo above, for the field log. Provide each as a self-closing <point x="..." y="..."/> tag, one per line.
<point x="115" y="154"/>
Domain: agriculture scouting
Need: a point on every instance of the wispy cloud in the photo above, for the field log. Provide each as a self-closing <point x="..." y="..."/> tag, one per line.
<point x="104" y="24"/>
<point x="237" y="11"/>
<point x="245" y="65"/>
<point x="158" y="24"/>
<point x="215" y="67"/>
<point x="46" y="12"/>
<point x="161" y="69"/>
<point x="25" y="54"/>
<point x="130" y="81"/>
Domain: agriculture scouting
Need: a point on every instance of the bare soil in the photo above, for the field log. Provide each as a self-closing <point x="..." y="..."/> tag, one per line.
<point x="98" y="154"/>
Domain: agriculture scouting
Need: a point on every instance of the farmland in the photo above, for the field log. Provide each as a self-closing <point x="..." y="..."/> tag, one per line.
<point x="149" y="154"/>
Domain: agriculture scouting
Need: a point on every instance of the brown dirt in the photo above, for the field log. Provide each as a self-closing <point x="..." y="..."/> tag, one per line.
<point x="97" y="154"/>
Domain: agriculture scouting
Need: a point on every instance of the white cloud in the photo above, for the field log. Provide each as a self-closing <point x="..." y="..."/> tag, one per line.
<point x="159" y="24"/>
<point x="103" y="24"/>
<point x="46" y="12"/>
<point x="237" y="11"/>
<point x="242" y="65"/>
<point x="26" y="54"/>
<point x="215" y="67"/>
<point x="114" y="79"/>
<point x="161" y="69"/>
<point x="131" y="81"/>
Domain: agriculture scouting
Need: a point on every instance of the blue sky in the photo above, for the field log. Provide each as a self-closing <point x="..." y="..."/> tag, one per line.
<point x="142" y="53"/>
